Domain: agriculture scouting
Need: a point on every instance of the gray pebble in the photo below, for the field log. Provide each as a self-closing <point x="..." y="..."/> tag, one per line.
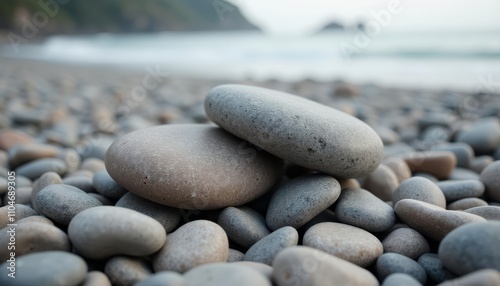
<point x="49" y="178"/>
<point x="390" y="263"/>
<point x="262" y="268"/>
<point x="19" y="212"/>
<point x="83" y="183"/>
<point x="462" y="151"/>
<point x="480" y="162"/>
<point x="488" y="212"/>
<point x="455" y="190"/>
<point x="104" y="201"/>
<point x="490" y="177"/>
<point x="471" y="247"/>
<point x="167" y="216"/>
<point x="361" y="208"/>
<point x="37" y="168"/>
<point x="163" y="278"/>
<point x="436" y="273"/>
<point x="466" y="203"/>
<point x="59" y="269"/>
<point x="407" y="242"/>
<point x="101" y="232"/>
<point x="420" y="189"/>
<point x="400" y="279"/>
<point x="62" y="202"/>
<point x="235" y="255"/>
<point x="463" y="174"/>
<point x="266" y="249"/>
<point x="485" y="277"/>
<point x="399" y="167"/>
<point x="127" y="271"/>
<point x="299" y="200"/>
<point x="483" y="135"/>
<point x="106" y="186"/>
<point x="224" y="274"/>
<point x="243" y="225"/>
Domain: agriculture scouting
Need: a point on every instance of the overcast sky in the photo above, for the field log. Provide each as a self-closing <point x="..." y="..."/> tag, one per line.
<point x="288" y="17"/>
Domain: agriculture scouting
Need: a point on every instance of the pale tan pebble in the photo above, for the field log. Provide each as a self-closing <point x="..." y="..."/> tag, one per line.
<point x="382" y="182"/>
<point x="127" y="271"/>
<point x="96" y="278"/>
<point x="436" y="163"/>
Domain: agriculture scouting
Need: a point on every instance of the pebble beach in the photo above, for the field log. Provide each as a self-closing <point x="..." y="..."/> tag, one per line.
<point x="136" y="177"/>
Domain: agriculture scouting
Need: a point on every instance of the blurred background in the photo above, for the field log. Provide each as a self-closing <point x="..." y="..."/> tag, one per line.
<point x="403" y="43"/>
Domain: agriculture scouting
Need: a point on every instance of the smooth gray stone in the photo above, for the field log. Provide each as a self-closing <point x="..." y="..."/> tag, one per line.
<point x="104" y="231"/>
<point x="235" y="255"/>
<point x="382" y="182"/>
<point x="124" y="270"/>
<point x="390" y="263"/>
<point x="163" y="278"/>
<point x="487" y="212"/>
<point x="297" y="129"/>
<point x="20" y="212"/>
<point x="62" y="202"/>
<point x="167" y="216"/>
<point x="420" y="189"/>
<point x="299" y="200"/>
<point x="59" y="269"/>
<point x="106" y="186"/>
<point x="83" y="183"/>
<point x="463" y="152"/>
<point x="490" y="177"/>
<point x="463" y="174"/>
<point x="471" y="247"/>
<point x="104" y="201"/>
<point x="407" y="242"/>
<point x="480" y="162"/>
<point x="434" y="268"/>
<point x="400" y="279"/>
<point x="49" y="178"/>
<point x="243" y="225"/>
<point x="485" y="277"/>
<point x="363" y="209"/>
<point x="467" y="203"/>
<point x="37" y="168"/>
<point x="192" y="166"/>
<point x="224" y="274"/>
<point x="483" y="135"/>
<point x="456" y="190"/>
<point x="268" y="247"/>
<point x="262" y="268"/>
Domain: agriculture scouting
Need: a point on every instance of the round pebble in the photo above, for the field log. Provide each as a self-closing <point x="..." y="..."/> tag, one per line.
<point x="463" y="174"/>
<point x="93" y="165"/>
<point x="299" y="200"/>
<point x="407" y="242"/>
<point x="195" y="243"/>
<point x="466" y="203"/>
<point x="399" y="279"/>
<point x="106" y="186"/>
<point x="361" y="208"/>
<point x="30" y="152"/>
<point x="163" y="278"/>
<point x="10" y="138"/>
<point x="167" y="216"/>
<point x="382" y="182"/>
<point x="399" y="167"/>
<point x="127" y="271"/>
<point x="243" y="225"/>
<point x="483" y="135"/>
<point x="104" y="231"/>
<point x="83" y="183"/>
<point x="262" y="268"/>
<point x="62" y="202"/>
<point x="59" y="269"/>
<point x="480" y="162"/>
<point x="486" y="277"/>
<point x="33" y="237"/>
<point x="265" y="250"/>
<point x="37" y="168"/>
<point x="235" y="255"/>
<point x="456" y="190"/>
<point x="224" y="274"/>
<point x="344" y="241"/>
<point x="390" y="263"/>
<point x="471" y="247"/>
<point x="96" y="278"/>
<point x="303" y="265"/>
<point x="463" y="152"/>
<point x="35" y="218"/>
<point x="487" y="212"/>
<point x="297" y="129"/>
<point x="421" y="189"/>
<point x="436" y="273"/>
<point x="104" y="201"/>
<point x="49" y="178"/>
<point x="437" y="163"/>
<point x="17" y="212"/>
<point x="207" y="168"/>
<point x="490" y="177"/>
<point x="430" y="220"/>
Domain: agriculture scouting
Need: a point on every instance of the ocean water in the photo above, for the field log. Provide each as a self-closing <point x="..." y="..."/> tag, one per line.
<point x="443" y="60"/>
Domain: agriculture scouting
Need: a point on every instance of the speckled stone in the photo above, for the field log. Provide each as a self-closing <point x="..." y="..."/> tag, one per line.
<point x="265" y="250"/>
<point x="407" y="242"/>
<point x="33" y="237"/>
<point x="344" y="241"/>
<point x="471" y="247"/>
<point x="490" y="177"/>
<point x="21" y="211"/>
<point x="436" y="273"/>
<point x="297" y="129"/>
<point x="207" y="168"/>
<point x="456" y="190"/>
<point x="463" y="152"/>
<point x="104" y="231"/>
<point x="37" y="168"/>
<point x="195" y="243"/>
<point x="163" y="278"/>
<point x="59" y="269"/>
<point x="299" y="200"/>
<point x="400" y="279"/>
<point x="49" y="178"/>
<point x="483" y="135"/>
<point x="224" y="274"/>
<point x="466" y="203"/>
<point x="361" y="208"/>
<point x="126" y="271"/>
<point x="422" y="189"/>
<point x="382" y="182"/>
<point x="430" y="220"/>
<point x="167" y="216"/>
<point x="62" y="202"/>
<point x="437" y="163"/>
<point x="390" y="263"/>
<point x="488" y="212"/>
<point x="243" y="225"/>
<point x="96" y="278"/>
<point x="106" y="186"/>
<point x="485" y="277"/>
<point x="35" y="218"/>
<point x="303" y="265"/>
<point x="235" y="255"/>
